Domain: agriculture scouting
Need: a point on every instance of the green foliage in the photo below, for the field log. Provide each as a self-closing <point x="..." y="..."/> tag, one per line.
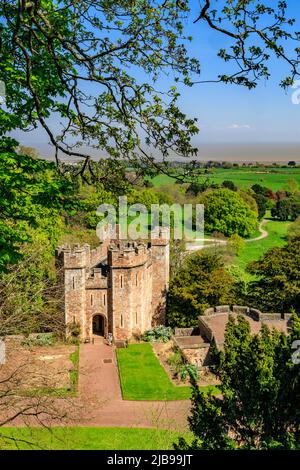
<point x="262" y="204"/>
<point x="42" y="339"/>
<point x="294" y="229"/>
<point x="277" y="288"/>
<point x="249" y="199"/>
<point x="197" y="187"/>
<point x="50" y="53"/>
<point x="229" y="185"/>
<point x="32" y="195"/>
<point x="255" y="32"/>
<point x="31" y="296"/>
<point x="236" y="243"/>
<point x="282" y="209"/>
<point x="262" y="191"/>
<point x="158" y="334"/>
<point x="146" y="197"/>
<point x="226" y="212"/>
<point x="175" y="360"/>
<point x="188" y="371"/>
<point x="260" y="387"/>
<point x="287" y="207"/>
<point x="73" y="330"/>
<point x="201" y="282"/>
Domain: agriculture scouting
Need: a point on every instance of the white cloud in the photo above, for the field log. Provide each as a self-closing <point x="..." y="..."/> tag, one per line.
<point x="240" y="126"/>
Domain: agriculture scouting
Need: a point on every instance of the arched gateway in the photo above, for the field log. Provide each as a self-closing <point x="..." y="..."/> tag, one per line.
<point x="98" y="325"/>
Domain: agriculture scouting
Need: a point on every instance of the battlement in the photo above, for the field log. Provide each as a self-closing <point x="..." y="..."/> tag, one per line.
<point x="102" y="299"/>
<point x="160" y="236"/>
<point x="127" y="254"/>
<point x="96" y="280"/>
<point x="213" y="323"/>
<point x="100" y="253"/>
<point x="78" y="257"/>
<point x="251" y="312"/>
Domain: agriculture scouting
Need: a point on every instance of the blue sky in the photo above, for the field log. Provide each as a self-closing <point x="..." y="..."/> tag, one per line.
<point x="235" y="114"/>
<point x="231" y="116"/>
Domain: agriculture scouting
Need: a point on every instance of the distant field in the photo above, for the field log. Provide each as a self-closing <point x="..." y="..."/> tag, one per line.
<point x="83" y="438"/>
<point x="245" y="177"/>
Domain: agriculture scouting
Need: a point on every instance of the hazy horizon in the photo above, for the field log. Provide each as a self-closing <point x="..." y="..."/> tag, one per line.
<point x="235" y="152"/>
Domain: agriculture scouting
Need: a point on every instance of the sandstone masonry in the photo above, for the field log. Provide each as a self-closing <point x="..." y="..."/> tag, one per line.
<point x="119" y="288"/>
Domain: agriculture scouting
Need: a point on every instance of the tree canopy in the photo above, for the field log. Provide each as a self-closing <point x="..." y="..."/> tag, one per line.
<point x="93" y="66"/>
<point x="260" y="387"/>
<point x="228" y="213"/>
<point x="201" y="282"/>
<point x="277" y="287"/>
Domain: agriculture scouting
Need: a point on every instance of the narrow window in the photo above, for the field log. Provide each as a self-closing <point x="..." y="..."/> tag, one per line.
<point x="92" y="300"/>
<point x="122" y="321"/>
<point x="104" y="299"/>
<point x="73" y="280"/>
<point x="121" y="281"/>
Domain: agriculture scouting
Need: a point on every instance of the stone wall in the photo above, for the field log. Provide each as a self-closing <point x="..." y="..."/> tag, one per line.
<point x="124" y="282"/>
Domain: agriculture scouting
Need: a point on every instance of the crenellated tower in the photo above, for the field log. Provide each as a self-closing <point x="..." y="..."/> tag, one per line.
<point x="119" y="288"/>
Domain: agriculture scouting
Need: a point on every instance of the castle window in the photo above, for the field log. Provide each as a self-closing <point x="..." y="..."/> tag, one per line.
<point x="121" y="281"/>
<point x="121" y="321"/>
<point x="73" y="281"/>
<point x="92" y="299"/>
<point x="104" y="299"/>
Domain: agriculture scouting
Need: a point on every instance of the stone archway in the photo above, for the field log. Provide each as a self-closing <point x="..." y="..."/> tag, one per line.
<point x="98" y="327"/>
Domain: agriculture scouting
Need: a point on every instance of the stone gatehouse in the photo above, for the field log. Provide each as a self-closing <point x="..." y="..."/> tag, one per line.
<point x="119" y="287"/>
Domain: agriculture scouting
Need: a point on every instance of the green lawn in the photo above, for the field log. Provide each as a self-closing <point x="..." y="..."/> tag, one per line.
<point x="144" y="378"/>
<point x="252" y="251"/>
<point x="274" y="178"/>
<point x="83" y="438"/>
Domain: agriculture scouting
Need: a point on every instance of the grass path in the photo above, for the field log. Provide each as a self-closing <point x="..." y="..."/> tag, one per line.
<point x="263" y="232"/>
<point x="201" y="243"/>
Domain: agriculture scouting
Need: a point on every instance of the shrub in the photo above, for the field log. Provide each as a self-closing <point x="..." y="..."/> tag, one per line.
<point x="158" y="334"/>
<point x="188" y="370"/>
<point x="42" y="339"/>
<point x="73" y="330"/>
<point x="175" y="360"/>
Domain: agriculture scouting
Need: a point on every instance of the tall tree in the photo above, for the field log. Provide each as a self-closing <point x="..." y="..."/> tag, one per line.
<point x="201" y="281"/>
<point x="51" y="51"/>
<point x="277" y="284"/>
<point x="260" y="387"/>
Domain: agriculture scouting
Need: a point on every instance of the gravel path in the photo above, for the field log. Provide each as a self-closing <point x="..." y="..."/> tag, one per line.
<point x="193" y="246"/>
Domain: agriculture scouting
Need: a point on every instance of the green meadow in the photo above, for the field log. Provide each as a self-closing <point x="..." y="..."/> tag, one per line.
<point x="274" y="178"/>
